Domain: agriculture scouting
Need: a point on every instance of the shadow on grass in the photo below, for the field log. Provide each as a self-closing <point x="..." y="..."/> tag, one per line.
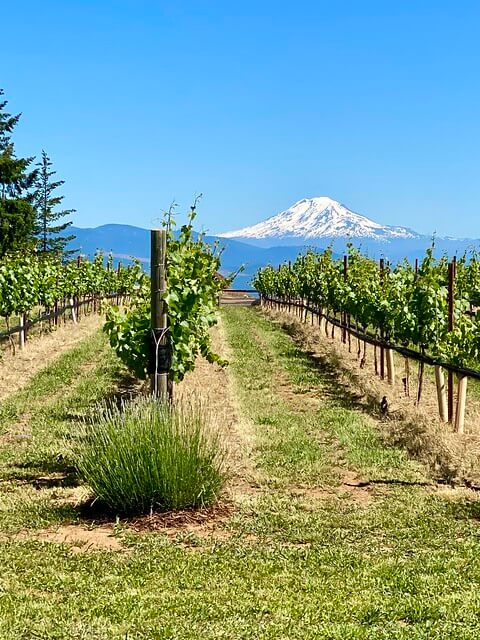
<point x="328" y="368"/>
<point x="127" y="388"/>
<point x="399" y="483"/>
<point x="349" y="391"/>
<point x="464" y="509"/>
<point x="50" y="473"/>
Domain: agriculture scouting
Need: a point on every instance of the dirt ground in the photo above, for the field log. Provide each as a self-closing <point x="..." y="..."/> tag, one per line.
<point x="78" y="538"/>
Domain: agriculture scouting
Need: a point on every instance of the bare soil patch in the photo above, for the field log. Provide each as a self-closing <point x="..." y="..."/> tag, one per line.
<point x="95" y="516"/>
<point x="97" y="525"/>
<point x="77" y="537"/>
<point x="203" y="523"/>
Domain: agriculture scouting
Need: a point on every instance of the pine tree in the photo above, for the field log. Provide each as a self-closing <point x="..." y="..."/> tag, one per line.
<point x="17" y="216"/>
<point x="45" y="202"/>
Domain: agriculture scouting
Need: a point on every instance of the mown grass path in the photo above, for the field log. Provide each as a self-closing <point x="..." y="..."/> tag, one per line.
<point x="343" y="538"/>
<point x="402" y="564"/>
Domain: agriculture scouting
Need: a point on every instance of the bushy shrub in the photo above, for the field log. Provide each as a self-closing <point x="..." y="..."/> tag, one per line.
<point x="146" y="455"/>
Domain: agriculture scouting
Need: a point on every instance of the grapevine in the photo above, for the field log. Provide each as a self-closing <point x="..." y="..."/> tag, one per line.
<point x="402" y="304"/>
<point x="193" y="286"/>
<point x="28" y="281"/>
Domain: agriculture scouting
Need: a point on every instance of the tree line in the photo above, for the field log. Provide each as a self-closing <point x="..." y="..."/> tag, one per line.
<point x="30" y="213"/>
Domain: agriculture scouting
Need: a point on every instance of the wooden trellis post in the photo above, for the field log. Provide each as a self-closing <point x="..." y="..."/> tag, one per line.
<point x="160" y="353"/>
<point x="451" y="306"/>
<point x="21" y="333"/>
<point x="461" y="403"/>
<point x="382" y="335"/>
<point x="441" y="393"/>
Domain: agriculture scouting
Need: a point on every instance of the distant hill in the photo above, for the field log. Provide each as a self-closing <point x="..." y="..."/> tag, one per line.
<point x="125" y="242"/>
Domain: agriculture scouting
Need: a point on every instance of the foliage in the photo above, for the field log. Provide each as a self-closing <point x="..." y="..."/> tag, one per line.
<point x="402" y="304"/>
<point x="28" y="280"/>
<point x="192" y="292"/>
<point x="129" y="333"/>
<point x="17" y="219"/>
<point x="148" y="455"/>
<point x="46" y="201"/>
<point x="16" y="212"/>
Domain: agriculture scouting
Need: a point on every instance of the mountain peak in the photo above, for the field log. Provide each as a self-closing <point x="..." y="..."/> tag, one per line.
<point x="320" y="217"/>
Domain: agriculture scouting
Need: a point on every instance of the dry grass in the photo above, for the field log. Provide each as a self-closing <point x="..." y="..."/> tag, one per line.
<point x="453" y="457"/>
<point x="215" y="386"/>
<point x="17" y="370"/>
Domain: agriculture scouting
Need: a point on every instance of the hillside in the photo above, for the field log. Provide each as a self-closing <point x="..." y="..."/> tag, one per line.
<point x="126" y="242"/>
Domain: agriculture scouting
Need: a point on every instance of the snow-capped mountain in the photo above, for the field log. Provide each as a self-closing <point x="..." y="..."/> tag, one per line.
<point x="321" y="217"/>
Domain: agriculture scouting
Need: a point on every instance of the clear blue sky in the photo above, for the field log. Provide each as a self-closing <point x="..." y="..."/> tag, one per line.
<point x="254" y="103"/>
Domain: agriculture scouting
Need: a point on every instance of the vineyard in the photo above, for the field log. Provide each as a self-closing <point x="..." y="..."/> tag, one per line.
<point x="258" y="472"/>
<point x="242" y="446"/>
<point x="36" y="289"/>
<point x="256" y="417"/>
<point x="425" y="312"/>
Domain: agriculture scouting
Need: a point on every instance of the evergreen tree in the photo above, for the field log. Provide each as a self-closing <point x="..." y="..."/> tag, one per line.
<point x="17" y="216"/>
<point x="46" y="202"/>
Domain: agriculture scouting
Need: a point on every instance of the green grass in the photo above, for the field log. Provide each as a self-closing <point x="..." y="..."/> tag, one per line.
<point x="37" y="424"/>
<point x="267" y="362"/>
<point x="406" y="566"/>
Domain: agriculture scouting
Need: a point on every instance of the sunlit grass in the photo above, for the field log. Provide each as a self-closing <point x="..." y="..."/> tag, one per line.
<point x="285" y="564"/>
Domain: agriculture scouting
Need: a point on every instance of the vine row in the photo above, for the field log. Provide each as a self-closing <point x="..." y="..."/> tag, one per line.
<point x="428" y="309"/>
<point x="36" y="287"/>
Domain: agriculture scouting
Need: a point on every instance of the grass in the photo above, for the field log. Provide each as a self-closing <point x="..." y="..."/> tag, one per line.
<point x="288" y="564"/>
<point x="298" y="423"/>
<point x="143" y="456"/>
<point x="37" y="423"/>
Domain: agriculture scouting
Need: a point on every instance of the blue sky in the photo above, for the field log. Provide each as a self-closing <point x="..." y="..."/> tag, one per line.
<point x="254" y="104"/>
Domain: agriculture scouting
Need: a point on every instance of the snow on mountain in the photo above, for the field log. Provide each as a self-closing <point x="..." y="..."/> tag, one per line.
<point x="320" y="217"/>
